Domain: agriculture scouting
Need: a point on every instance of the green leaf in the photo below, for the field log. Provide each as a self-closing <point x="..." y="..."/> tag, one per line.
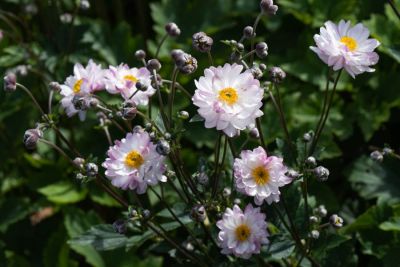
<point x="63" y="192"/>
<point x="13" y="210"/>
<point x="281" y="247"/>
<point x="392" y="225"/>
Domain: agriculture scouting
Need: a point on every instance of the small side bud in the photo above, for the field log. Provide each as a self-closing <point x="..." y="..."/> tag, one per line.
<point x="10" y="82"/>
<point x="313" y="219"/>
<point x="321" y="211"/>
<point x="336" y="221"/>
<point x="128" y="110"/>
<point x="55" y="86"/>
<point x="376" y="156"/>
<point x="202" y="42"/>
<point x="163" y="148"/>
<point x="198" y="213"/>
<point x="277" y="74"/>
<point x="119" y="226"/>
<point x="78" y="162"/>
<point x="91" y="169"/>
<point x="140" y="54"/>
<point x="307" y="137"/>
<point x="153" y="64"/>
<point x="321" y="173"/>
<point x="31" y="138"/>
<point x="268" y="7"/>
<point x="262" y="50"/>
<point x="314" y="234"/>
<point x="183" y="114"/>
<point x="254" y="133"/>
<point x="248" y="32"/>
<point x="172" y="29"/>
<point x="311" y="161"/>
<point x="226" y="192"/>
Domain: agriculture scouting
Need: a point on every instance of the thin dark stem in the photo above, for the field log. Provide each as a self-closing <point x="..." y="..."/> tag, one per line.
<point x="329" y="105"/>
<point x="260" y="132"/>
<point x="51" y="93"/>
<point x="57" y="148"/>
<point x="215" y="188"/>
<point x="216" y="163"/>
<point x="160" y="44"/>
<point x="180" y="87"/>
<point x="210" y="58"/>
<point x="65" y="140"/>
<point x="391" y="3"/>
<point x="254" y="31"/>
<point x="248" y="54"/>
<point x="111" y="192"/>
<point x="32" y="97"/>
<point x="172" y="95"/>
<point x="160" y="101"/>
<point x="107" y="133"/>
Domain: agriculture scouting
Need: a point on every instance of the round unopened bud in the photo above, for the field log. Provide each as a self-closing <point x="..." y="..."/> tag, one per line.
<point x="183" y="114"/>
<point x="78" y="162"/>
<point x="314" y="234"/>
<point x="163" y="148"/>
<point x="141" y="86"/>
<point x="10" y="82"/>
<point x="240" y="47"/>
<point x="387" y="151"/>
<point x="248" y="32"/>
<point x="66" y="18"/>
<point x="292" y="174"/>
<point x="146" y="214"/>
<point x="31" y="138"/>
<point x="376" y="156"/>
<point x="140" y="54"/>
<point x="237" y="201"/>
<point x="257" y="73"/>
<point x="198" y="213"/>
<point x="80" y="176"/>
<point x="313" y="219"/>
<point x="226" y="192"/>
<point x="55" y="86"/>
<point x="307" y="137"/>
<point x="172" y="29"/>
<point x="254" y="133"/>
<point x="91" y="169"/>
<point x="188" y="245"/>
<point x="85" y="4"/>
<point x="268" y="7"/>
<point x="336" y="221"/>
<point x="175" y="53"/>
<point x="137" y="129"/>
<point x="93" y="102"/>
<point x="321" y="211"/>
<point x="153" y="64"/>
<point x="153" y="136"/>
<point x="133" y="213"/>
<point x="186" y="63"/>
<point x="202" y="42"/>
<point x="167" y="136"/>
<point x="262" y="50"/>
<point x="277" y="74"/>
<point x="311" y="161"/>
<point x="128" y="110"/>
<point x="119" y="226"/>
<point x="202" y="178"/>
<point x="148" y="126"/>
<point x="262" y="67"/>
<point x="321" y="173"/>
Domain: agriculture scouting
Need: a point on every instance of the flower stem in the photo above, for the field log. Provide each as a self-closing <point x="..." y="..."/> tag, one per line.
<point x="216" y="180"/>
<point x="210" y="58"/>
<point x="260" y="131"/>
<point x="396" y="11"/>
<point x="172" y="95"/>
<point x="32" y="97"/>
<point x="160" y="44"/>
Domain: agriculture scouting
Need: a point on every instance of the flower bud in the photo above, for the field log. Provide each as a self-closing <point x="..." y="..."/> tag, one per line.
<point x="314" y="234"/>
<point x="240" y="47"/>
<point x="268" y="7"/>
<point x="307" y="137"/>
<point x="292" y="174"/>
<point x="313" y="219"/>
<point x="85" y="4"/>
<point x="167" y="136"/>
<point x="277" y="74"/>
<point x="80" y="176"/>
<point x="188" y="245"/>
<point x="376" y="156"/>
<point x="202" y="178"/>
<point x="183" y="114"/>
<point x="140" y="54"/>
<point x="321" y="211"/>
<point x="202" y="42"/>
<point x="336" y="221"/>
<point x="146" y="214"/>
<point x="387" y="151"/>
<point x="311" y="161"/>
<point x="175" y="53"/>
<point x="10" y="82"/>
<point x="234" y="57"/>
<point x="153" y="136"/>
<point x="172" y="29"/>
<point x="237" y="201"/>
<point x="321" y="173"/>
<point x="119" y="226"/>
<point x="137" y="129"/>
<point x="31" y="138"/>
<point x="226" y="192"/>
<point x="78" y="162"/>
<point x="185" y="63"/>
<point x="129" y="110"/>
<point x="163" y="148"/>
<point x="153" y="64"/>
<point x="148" y="126"/>
<point x="248" y="32"/>
<point x="198" y="213"/>
<point x="262" y="50"/>
<point x="91" y="169"/>
<point x="262" y="67"/>
<point x="257" y="73"/>
<point x="55" y="86"/>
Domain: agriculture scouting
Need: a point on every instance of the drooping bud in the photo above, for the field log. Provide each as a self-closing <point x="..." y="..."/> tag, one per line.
<point x="202" y="42"/>
<point x="140" y="54"/>
<point x="262" y="50"/>
<point x="146" y="214"/>
<point x="175" y="53"/>
<point x="277" y="74"/>
<point x="10" y="82"/>
<point x="198" y="213"/>
<point x="336" y="221"/>
<point x="172" y="29"/>
<point x="268" y="7"/>
<point x="376" y="156"/>
<point x="321" y="173"/>
<point x="262" y="67"/>
<point x="153" y="64"/>
<point x="186" y="63"/>
<point x="163" y="148"/>
<point x="128" y="110"/>
<point x="31" y="138"/>
<point x="248" y="32"/>
<point x="91" y="169"/>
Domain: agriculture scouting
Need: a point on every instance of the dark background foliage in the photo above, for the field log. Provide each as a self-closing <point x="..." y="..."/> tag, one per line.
<point x="42" y="206"/>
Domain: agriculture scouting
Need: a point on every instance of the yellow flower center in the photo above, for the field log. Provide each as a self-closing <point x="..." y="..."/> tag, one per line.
<point x="351" y="43"/>
<point x="77" y="86"/>
<point x="228" y="95"/>
<point x="130" y="78"/>
<point x="260" y="175"/>
<point x="242" y="232"/>
<point x="134" y="159"/>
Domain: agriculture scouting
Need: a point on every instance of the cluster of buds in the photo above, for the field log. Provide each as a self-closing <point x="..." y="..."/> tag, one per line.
<point x="321" y="173"/>
<point x="268" y="7"/>
<point x="184" y="62"/>
<point x="262" y="50"/>
<point x="172" y="29"/>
